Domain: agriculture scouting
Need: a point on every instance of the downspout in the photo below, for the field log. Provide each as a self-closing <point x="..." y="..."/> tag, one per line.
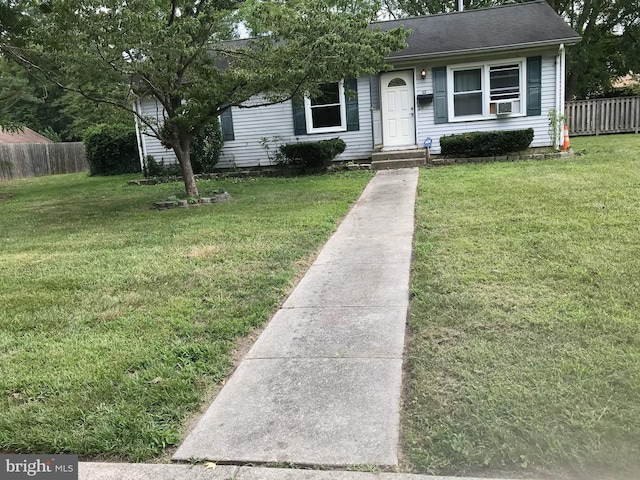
<point x="563" y="77"/>
<point x="559" y="91"/>
<point x="142" y="147"/>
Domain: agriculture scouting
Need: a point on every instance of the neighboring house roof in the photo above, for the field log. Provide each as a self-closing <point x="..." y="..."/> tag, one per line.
<point x="520" y="25"/>
<point x="627" y="80"/>
<point x="25" y="136"/>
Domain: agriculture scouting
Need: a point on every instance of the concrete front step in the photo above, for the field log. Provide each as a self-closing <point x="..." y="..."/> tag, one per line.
<point x="398" y="154"/>
<point x="397" y="163"/>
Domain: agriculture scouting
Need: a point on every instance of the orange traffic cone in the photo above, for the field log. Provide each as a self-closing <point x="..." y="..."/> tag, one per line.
<point x="565" y="146"/>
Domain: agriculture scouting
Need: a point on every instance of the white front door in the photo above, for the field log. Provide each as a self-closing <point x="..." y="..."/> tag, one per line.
<point x="398" y="123"/>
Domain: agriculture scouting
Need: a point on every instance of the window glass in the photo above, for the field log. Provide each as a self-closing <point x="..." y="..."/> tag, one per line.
<point x="330" y="95"/>
<point x="467" y="91"/>
<point x="326" y="111"/>
<point x="468" y="104"/>
<point x="397" y="82"/>
<point x="467" y="80"/>
<point x="326" y="116"/>
<point x="504" y="82"/>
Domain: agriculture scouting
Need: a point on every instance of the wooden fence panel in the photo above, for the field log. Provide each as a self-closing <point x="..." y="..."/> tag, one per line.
<point x="603" y="115"/>
<point x="24" y="160"/>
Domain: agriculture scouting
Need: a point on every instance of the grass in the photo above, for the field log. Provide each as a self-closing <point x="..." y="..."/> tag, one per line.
<point x="117" y="320"/>
<point x="524" y="356"/>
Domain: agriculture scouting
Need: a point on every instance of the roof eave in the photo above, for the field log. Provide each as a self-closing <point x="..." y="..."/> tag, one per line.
<point x="519" y="46"/>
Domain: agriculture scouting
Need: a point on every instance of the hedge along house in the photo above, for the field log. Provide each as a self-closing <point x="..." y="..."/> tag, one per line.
<point x="499" y="68"/>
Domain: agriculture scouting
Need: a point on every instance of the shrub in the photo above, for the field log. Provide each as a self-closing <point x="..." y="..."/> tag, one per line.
<point x="485" y="144"/>
<point x="206" y="148"/>
<point x="312" y="154"/>
<point x="111" y="149"/>
<point x="154" y="168"/>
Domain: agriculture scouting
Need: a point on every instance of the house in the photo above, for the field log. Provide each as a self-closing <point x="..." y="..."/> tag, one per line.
<point x="26" y="135"/>
<point x="629" y="80"/>
<point x="476" y="70"/>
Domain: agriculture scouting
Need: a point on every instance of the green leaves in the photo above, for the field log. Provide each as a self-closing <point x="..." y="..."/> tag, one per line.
<point x="179" y="53"/>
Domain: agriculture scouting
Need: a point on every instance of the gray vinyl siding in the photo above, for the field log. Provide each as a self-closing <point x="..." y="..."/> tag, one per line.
<point x="275" y="122"/>
<point x="152" y="109"/>
<point x="425" y="115"/>
<point x="252" y="124"/>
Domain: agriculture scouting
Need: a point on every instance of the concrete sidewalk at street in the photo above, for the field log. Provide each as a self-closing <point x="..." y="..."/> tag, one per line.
<point x="146" y="471"/>
<point x="322" y="384"/>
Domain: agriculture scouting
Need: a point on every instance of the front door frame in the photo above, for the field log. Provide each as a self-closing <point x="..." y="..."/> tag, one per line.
<point x="384" y="79"/>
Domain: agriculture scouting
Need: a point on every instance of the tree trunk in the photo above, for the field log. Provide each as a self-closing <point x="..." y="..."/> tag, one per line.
<point x="187" y="175"/>
<point x="571" y="84"/>
<point x="183" y="152"/>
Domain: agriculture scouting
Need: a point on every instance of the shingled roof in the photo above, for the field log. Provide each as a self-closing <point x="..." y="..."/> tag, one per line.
<point x="520" y="25"/>
<point x="25" y="136"/>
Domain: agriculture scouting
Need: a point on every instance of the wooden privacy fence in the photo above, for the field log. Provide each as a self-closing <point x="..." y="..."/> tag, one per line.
<point x="22" y="160"/>
<point x="604" y="115"/>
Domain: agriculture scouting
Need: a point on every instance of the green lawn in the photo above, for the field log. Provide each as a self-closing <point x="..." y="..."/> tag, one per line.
<point x="116" y="320"/>
<point x="524" y="353"/>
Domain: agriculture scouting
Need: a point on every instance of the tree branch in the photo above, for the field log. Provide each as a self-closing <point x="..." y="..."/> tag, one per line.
<point x="295" y="92"/>
<point x="173" y="13"/>
<point x="27" y="65"/>
<point x="108" y="62"/>
<point x="199" y="7"/>
<point x="389" y="9"/>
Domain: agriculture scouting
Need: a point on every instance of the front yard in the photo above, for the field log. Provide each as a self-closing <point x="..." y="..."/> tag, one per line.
<point x="117" y="320"/>
<point x="524" y="353"/>
<point x="523" y="359"/>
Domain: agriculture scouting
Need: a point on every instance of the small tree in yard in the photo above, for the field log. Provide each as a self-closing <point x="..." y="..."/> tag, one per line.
<point x="178" y="52"/>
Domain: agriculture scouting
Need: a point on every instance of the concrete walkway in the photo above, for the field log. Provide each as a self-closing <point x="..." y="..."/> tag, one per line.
<point x="322" y="384"/>
<point x="146" y="471"/>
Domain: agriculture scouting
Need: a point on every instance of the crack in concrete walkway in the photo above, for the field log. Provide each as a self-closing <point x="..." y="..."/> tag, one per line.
<point x="322" y="384"/>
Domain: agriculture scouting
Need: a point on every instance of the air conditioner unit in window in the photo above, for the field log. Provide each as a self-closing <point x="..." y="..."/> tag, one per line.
<point x="504" y="108"/>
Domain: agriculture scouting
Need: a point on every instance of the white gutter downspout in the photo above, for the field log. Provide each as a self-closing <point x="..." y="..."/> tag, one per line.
<point x="560" y="91"/>
<point x="559" y="94"/>
<point x="563" y="77"/>
<point x="142" y="147"/>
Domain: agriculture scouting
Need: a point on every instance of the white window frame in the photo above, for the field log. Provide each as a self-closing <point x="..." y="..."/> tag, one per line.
<point x="486" y="89"/>
<point x="343" y="113"/>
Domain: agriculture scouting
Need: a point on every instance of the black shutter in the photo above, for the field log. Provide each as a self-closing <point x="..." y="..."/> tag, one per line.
<point x="440" y="95"/>
<point x="534" y="86"/>
<point x="353" y="116"/>
<point x="299" y="120"/>
<point x="226" y="125"/>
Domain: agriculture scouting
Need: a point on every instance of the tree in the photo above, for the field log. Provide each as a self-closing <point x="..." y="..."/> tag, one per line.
<point x="46" y="108"/>
<point x="432" y="7"/>
<point x="178" y="52"/>
<point x="14" y="86"/>
<point x="610" y="43"/>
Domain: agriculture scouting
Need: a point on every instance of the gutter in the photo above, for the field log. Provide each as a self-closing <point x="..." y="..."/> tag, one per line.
<point x="516" y="46"/>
